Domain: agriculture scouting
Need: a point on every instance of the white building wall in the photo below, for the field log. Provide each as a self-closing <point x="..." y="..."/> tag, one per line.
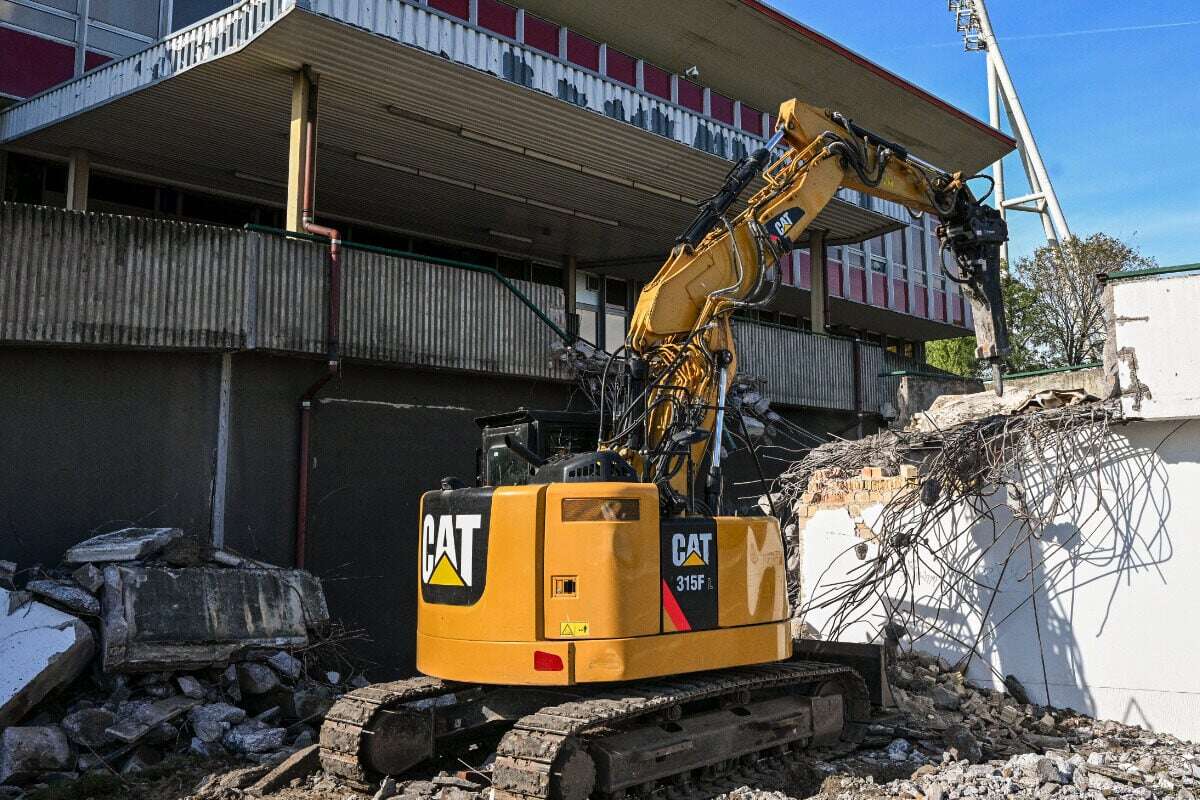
<point x="1117" y="579"/>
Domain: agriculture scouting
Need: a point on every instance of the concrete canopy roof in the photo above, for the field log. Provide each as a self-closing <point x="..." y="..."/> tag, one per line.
<point x="789" y="60"/>
<point x="406" y="140"/>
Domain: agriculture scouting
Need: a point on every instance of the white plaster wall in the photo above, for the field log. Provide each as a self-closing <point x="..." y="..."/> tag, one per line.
<point x="1118" y="586"/>
<point x="1154" y="319"/>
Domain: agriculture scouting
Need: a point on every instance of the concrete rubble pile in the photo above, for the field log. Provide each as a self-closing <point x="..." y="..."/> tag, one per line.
<point x="148" y="643"/>
<point x="952" y="740"/>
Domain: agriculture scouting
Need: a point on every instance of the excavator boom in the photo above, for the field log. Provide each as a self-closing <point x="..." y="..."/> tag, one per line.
<point x="680" y="344"/>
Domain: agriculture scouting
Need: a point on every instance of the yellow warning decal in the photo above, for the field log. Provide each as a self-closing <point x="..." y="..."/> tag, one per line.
<point x="444" y="574"/>
<point x="694" y="560"/>
<point x="572" y="629"/>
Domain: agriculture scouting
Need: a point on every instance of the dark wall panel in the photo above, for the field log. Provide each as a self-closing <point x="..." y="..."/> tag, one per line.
<point x="95" y="441"/>
<point x="380" y="437"/>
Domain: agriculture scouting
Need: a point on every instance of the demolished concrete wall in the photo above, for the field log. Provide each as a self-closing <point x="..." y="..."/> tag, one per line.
<point x="1095" y="615"/>
<point x="1153" y="319"/>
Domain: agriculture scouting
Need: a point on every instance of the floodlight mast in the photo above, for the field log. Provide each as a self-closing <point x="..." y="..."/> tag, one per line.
<point x="972" y="21"/>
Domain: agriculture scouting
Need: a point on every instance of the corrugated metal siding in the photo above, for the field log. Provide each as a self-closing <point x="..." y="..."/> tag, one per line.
<point x="107" y="280"/>
<point x="801" y="369"/>
<point x="92" y="279"/>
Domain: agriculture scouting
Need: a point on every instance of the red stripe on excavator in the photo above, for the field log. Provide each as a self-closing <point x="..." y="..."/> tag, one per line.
<point x="674" y="612"/>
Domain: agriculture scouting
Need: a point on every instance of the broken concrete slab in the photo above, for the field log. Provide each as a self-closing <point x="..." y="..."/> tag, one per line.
<point x="299" y="764"/>
<point x="67" y="595"/>
<point x="41" y="648"/>
<point x="27" y="752"/>
<point x="128" y="544"/>
<point x="161" y="618"/>
<point x="150" y="716"/>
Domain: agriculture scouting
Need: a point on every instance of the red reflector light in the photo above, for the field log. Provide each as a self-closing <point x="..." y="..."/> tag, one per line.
<point x="546" y="662"/>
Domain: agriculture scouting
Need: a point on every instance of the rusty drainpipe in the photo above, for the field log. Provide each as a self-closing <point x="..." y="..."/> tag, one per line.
<point x="333" y="320"/>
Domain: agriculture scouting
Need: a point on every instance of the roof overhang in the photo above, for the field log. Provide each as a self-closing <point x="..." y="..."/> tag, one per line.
<point x="789" y="60"/>
<point x="407" y="141"/>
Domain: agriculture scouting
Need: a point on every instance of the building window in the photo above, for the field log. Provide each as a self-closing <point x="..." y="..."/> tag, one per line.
<point x="583" y="51"/>
<point x="498" y="17"/>
<point x="185" y="12"/>
<point x="541" y="34"/>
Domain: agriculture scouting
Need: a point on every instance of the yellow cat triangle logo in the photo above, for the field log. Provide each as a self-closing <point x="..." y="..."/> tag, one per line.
<point x="444" y="574"/>
<point x="694" y="560"/>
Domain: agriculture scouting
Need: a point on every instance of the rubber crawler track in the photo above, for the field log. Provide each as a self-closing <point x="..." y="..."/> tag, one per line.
<point x="529" y="753"/>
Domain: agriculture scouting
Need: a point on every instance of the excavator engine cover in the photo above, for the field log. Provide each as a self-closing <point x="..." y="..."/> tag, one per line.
<point x="564" y="583"/>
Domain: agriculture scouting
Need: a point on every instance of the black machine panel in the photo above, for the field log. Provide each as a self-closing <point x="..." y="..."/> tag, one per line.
<point x="454" y="545"/>
<point x="688" y="555"/>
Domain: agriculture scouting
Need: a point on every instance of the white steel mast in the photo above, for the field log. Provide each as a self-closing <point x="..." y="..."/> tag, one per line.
<point x="972" y="21"/>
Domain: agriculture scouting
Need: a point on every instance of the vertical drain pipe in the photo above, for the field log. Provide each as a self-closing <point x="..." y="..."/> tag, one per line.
<point x="333" y="321"/>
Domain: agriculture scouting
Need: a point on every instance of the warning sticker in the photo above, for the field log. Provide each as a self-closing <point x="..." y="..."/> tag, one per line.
<point x="572" y="629"/>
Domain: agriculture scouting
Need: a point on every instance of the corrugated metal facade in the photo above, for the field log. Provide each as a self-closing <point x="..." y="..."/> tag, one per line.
<point x="72" y="278"/>
<point x="103" y="280"/>
<point x="98" y="279"/>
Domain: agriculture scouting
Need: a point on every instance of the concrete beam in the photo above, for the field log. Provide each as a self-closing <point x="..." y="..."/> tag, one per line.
<point x="302" y="88"/>
<point x="79" y="172"/>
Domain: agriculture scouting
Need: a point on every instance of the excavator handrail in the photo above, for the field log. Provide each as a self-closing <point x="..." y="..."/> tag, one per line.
<point x="567" y="338"/>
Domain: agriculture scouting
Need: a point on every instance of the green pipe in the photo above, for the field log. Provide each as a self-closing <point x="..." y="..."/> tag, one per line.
<point x="446" y="262"/>
<point x="1051" y="371"/>
<point x="901" y="373"/>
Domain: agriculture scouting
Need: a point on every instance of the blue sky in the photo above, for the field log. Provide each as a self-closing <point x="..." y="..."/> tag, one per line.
<point x="1116" y="114"/>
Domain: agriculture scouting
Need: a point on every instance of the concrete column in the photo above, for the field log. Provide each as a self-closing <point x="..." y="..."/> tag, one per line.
<point x="79" y="172"/>
<point x="221" y="469"/>
<point x="570" y="278"/>
<point x="819" y="293"/>
<point x="302" y="89"/>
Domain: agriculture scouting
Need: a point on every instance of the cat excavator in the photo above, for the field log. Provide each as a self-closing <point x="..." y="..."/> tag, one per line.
<point x="596" y="611"/>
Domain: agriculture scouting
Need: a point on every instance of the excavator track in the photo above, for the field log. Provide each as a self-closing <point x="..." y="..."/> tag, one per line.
<point x="622" y="740"/>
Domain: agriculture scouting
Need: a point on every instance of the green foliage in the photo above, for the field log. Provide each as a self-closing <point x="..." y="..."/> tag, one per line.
<point x="953" y="355"/>
<point x="1054" y="308"/>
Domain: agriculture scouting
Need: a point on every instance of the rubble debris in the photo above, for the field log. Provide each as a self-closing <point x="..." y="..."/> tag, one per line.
<point x="66" y="595"/>
<point x="26" y="752"/>
<point x="8" y="570"/>
<point x="146" y="717"/>
<point x="253" y="736"/>
<point x="128" y="544"/>
<point x="286" y="664"/>
<point x="299" y="764"/>
<point x="256" y="678"/>
<point x="212" y="721"/>
<point x="88" y="727"/>
<point x="162" y="618"/>
<point x="89" y="577"/>
<point x="41" y="648"/>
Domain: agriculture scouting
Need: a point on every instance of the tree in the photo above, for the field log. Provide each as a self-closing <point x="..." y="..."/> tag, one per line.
<point x="1053" y="305"/>
<point x="1020" y="306"/>
<point x="1068" y="327"/>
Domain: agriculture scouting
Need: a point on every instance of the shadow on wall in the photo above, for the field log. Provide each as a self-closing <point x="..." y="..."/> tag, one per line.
<point x="1062" y="566"/>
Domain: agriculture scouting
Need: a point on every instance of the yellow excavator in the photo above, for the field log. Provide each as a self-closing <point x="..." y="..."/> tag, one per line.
<point x="595" y="612"/>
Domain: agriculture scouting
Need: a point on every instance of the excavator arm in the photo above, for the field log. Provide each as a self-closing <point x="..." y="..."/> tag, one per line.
<point x="680" y="349"/>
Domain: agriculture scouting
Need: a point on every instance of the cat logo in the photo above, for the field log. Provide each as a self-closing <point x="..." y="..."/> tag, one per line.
<point x="779" y="225"/>
<point x="690" y="549"/>
<point x="449" y="549"/>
